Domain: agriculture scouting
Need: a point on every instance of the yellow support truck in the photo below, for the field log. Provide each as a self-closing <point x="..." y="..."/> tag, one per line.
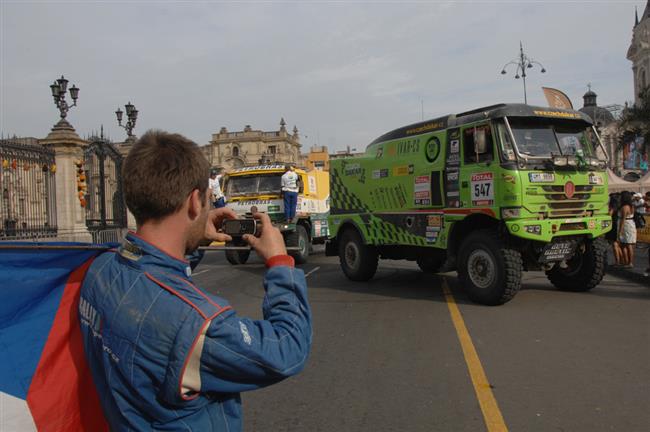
<point x="259" y="186"/>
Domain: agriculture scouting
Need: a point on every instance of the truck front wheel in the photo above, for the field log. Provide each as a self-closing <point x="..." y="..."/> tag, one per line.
<point x="358" y="261"/>
<point x="488" y="269"/>
<point x="584" y="270"/>
<point x="236" y="257"/>
<point x="300" y="239"/>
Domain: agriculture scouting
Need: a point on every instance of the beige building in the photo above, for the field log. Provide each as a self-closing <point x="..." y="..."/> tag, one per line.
<point x="639" y="52"/>
<point x="318" y="159"/>
<point x="230" y="150"/>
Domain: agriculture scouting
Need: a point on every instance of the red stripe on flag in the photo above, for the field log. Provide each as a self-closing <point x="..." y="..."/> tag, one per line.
<point x="62" y="396"/>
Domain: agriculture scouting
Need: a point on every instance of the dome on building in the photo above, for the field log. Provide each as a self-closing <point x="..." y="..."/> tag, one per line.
<point x="599" y="115"/>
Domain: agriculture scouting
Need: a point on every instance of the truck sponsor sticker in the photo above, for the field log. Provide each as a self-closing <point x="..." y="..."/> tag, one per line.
<point x="595" y="179"/>
<point x="380" y="173"/>
<point x="422" y="190"/>
<point x="434" y="221"/>
<point x="352" y="169"/>
<point x="252" y="202"/>
<point x="259" y="167"/>
<point x="312" y="185"/>
<point x="432" y="149"/>
<point x="408" y="146"/>
<point x="541" y="177"/>
<point x="482" y="189"/>
<point x="403" y="170"/>
<point x="431" y="234"/>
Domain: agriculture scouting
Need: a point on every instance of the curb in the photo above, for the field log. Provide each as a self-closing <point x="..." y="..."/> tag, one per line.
<point x="628" y="274"/>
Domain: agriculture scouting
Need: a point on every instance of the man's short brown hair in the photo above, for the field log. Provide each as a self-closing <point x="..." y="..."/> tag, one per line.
<point x="160" y="171"/>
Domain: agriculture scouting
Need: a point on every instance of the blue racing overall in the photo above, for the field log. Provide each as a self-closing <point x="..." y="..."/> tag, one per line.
<point x="166" y="355"/>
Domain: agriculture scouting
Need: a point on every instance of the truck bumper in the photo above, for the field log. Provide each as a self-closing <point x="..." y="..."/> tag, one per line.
<point x="547" y="229"/>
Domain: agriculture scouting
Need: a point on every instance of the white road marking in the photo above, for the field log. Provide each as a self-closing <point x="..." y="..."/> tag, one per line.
<point x="199" y="272"/>
<point x="307" y="275"/>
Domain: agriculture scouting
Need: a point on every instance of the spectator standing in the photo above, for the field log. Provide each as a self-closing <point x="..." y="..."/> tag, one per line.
<point x="626" y="230"/>
<point x="647" y="212"/>
<point x="290" y="192"/>
<point x="639" y="203"/>
<point x="611" y="236"/>
<point x="218" y="198"/>
<point x="165" y="354"/>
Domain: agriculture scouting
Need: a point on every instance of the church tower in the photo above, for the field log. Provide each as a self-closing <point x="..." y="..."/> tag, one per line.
<point x="639" y="52"/>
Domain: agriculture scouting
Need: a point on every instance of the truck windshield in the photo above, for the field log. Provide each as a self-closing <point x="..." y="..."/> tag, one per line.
<point x="544" y="138"/>
<point x="250" y="185"/>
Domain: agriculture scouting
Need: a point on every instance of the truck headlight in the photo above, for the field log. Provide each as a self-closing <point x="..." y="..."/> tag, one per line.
<point x="510" y="213"/>
<point x="605" y="223"/>
<point x="534" y="229"/>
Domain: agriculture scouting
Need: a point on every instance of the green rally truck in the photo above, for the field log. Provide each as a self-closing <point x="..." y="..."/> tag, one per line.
<point x="489" y="193"/>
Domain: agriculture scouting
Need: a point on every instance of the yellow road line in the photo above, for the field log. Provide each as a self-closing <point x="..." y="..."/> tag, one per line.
<point x="489" y="407"/>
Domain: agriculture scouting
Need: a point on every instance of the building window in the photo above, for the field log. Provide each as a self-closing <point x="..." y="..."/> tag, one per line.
<point x="272" y="149"/>
<point x="319" y="165"/>
<point x="235" y="151"/>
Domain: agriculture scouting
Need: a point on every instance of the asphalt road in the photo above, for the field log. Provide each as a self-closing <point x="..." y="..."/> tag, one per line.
<point x="387" y="355"/>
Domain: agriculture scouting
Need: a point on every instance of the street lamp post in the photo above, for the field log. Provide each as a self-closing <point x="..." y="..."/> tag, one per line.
<point x="132" y="116"/>
<point x="522" y="62"/>
<point x="59" y="89"/>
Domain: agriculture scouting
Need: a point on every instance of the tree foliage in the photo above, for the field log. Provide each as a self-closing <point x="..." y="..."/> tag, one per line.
<point x="636" y="119"/>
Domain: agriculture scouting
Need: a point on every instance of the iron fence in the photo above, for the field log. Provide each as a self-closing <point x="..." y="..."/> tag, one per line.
<point x="115" y="235"/>
<point x="27" y="182"/>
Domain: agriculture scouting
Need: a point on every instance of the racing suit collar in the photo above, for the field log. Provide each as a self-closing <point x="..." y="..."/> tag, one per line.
<point x="137" y="249"/>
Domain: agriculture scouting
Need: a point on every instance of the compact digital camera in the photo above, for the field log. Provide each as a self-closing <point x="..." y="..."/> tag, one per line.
<point x="238" y="227"/>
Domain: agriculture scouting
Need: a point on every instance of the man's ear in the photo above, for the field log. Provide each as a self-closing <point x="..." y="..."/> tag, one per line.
<point x="195" y="204"/>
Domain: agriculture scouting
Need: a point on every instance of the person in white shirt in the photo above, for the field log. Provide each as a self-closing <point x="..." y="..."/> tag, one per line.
<point x="218" y="198"/>
<point x="290" y="189"/>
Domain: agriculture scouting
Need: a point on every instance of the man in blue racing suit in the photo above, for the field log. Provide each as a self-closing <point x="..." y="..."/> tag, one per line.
<point x="164" y="354"/>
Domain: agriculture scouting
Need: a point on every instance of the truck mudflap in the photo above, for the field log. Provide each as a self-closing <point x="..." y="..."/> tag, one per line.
<point x="332" y="247"/>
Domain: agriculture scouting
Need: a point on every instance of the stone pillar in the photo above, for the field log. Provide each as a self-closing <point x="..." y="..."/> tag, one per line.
<point x="124" y="149"/>
<point x="70" y="216"/>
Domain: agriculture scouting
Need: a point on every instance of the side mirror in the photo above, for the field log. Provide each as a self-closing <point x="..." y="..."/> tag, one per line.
<point x="480" y="142"/>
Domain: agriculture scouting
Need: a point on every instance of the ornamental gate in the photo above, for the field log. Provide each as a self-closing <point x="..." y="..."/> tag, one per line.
<point x="103" y="197"/>
<point x="27" y="183"/>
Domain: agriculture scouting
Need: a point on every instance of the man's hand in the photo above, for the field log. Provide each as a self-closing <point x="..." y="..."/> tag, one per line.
<point x="214" y="223"/>
<point x="270" y="242"/>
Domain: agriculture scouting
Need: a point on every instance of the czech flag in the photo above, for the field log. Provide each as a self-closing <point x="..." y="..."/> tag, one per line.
<point x="45" y="382"/>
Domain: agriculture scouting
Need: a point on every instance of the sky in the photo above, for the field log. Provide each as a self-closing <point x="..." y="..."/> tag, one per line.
<point x="343" y="72"/>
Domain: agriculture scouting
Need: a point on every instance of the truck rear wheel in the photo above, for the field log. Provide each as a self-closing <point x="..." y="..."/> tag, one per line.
<point x="584" y="271"/>
<point x="358" y="261"/>
<point x="299" y="238"/>
<point x="488" y="269"/>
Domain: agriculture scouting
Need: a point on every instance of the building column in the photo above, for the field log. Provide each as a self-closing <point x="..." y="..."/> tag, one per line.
<point x="68" y="148"/>
<point x="124" y="149"/>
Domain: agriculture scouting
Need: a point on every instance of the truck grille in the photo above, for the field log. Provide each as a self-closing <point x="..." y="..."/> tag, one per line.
<point x="560" y="206"/>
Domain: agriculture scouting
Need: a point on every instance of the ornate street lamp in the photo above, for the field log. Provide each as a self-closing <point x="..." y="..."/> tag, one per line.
<point x="59" y="89"/>
<point x="522" y="62"/>
<point x="132" y="116"/>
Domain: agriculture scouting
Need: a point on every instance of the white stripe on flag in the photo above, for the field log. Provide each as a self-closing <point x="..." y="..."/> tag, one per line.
<point x="15" y="414"/>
